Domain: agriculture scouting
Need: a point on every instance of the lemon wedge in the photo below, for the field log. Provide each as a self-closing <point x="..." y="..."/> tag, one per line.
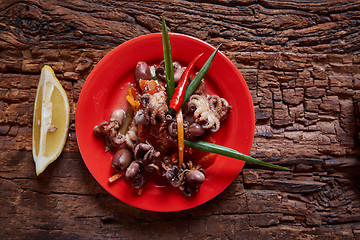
<point x="50" y="121"/>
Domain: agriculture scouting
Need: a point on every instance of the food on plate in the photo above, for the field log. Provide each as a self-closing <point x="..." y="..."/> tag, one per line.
<point x="166" y="131"/>
<point x="150" y="146"/>
<point x="50" y="120"/>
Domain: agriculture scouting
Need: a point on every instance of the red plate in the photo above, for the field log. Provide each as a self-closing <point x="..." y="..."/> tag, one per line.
<point x="104" y="92"/>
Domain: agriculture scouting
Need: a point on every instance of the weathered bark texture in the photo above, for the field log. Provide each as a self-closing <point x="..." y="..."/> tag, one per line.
<point x="302" y="64"/>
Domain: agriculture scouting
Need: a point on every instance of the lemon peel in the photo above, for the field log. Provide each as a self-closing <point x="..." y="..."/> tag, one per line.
<point x="50" y="120"/>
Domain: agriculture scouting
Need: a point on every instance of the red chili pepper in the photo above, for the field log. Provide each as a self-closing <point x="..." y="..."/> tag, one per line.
<point x="178" y="96"/>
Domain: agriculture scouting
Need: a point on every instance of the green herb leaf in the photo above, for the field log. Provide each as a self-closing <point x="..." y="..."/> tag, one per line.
<point x="168" y="62"/>
<point x="195" y="82"/>
<point x="225" y="151"/>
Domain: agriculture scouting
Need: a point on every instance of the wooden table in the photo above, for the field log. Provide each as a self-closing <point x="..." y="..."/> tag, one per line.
<point x="302" y="65"/>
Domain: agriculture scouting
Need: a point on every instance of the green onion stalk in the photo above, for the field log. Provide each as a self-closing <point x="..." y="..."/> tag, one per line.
<point x="168" y="62"/>
<point x="228" y="152"/>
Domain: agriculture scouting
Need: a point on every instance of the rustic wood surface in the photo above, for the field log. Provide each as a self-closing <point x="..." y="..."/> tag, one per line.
<point x="302" y="64"/>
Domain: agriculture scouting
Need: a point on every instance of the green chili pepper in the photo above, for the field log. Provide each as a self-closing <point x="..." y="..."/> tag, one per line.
<point x="168" y="62"/>
<point x="195" y="82"/>
<point x="225" y="151"/>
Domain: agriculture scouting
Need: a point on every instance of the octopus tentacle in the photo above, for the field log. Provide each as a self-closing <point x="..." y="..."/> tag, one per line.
<point x="131" y="137"/>
<point x="215" y="103"/>
<point x="213" y="125"/>
<point x="220" y="105"/>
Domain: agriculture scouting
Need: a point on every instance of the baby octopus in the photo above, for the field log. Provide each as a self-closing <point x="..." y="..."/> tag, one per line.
<point x="187" y="178"/>
<point x="209" y="111"/>
<point x="203" y="114"/>
<point x="154" y="106"/>
<point x="110" y="130"/>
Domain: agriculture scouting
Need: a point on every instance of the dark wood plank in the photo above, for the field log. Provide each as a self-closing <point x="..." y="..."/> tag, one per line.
<point x="302" y="65"/>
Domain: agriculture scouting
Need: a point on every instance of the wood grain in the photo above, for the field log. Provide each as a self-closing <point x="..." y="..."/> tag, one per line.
<point x="301" y="62"/>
